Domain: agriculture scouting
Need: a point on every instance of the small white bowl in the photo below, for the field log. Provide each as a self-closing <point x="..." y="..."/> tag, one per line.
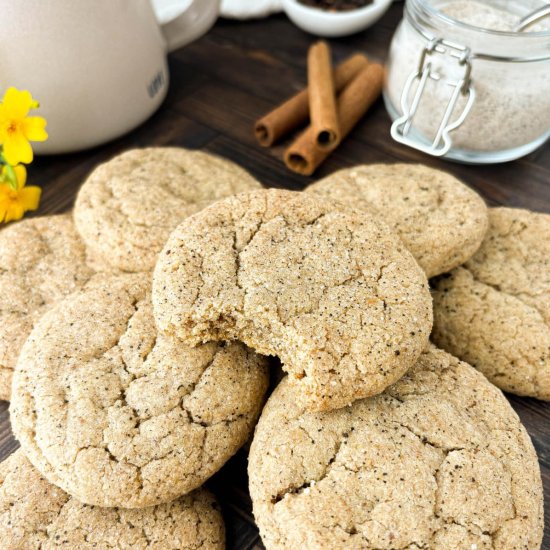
<point x="332" y="23"/>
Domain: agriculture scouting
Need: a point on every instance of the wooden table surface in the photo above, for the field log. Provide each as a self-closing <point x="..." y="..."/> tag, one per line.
<point x="219" y="86"/>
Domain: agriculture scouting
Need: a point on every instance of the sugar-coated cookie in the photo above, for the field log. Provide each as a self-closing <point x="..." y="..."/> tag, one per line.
<point x="128" y="206"/>
<point x="42" y="260"/>
<point x="36" y="515"/>
<point x="439" y="460"/>
<point x="333" y="293"/>
<point x="495" y="311"/>
<point x="440" y="220"/>
<point x="118" y="415"/>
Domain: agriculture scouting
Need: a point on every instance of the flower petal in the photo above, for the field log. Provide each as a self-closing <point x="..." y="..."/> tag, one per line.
<point x="4" y="116"/>
<point x="34" y="128"/>
<point x="14" y="212"/>
<point x="3" y="212"/>
<point x="5" y="202"/>
<point x="17" y="102"/>
<point x="29" y="197"/>
<point x="5" y="124"/>
<point x="17" y="149"/>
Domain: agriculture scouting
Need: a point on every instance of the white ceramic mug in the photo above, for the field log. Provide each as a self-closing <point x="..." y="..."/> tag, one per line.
<point x="97" y="67"/>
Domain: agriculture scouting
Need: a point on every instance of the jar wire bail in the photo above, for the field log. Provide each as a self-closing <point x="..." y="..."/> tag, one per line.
<point x="402" y="126"/>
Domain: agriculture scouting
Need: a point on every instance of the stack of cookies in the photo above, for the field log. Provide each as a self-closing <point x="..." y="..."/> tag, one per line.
<point x="138" y="334"/>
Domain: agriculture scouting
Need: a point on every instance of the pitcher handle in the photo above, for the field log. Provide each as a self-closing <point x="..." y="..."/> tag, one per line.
<point x="189" y="25"/>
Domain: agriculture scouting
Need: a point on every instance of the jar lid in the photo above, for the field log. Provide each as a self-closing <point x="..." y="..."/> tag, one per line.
<point x="446" y="19"/>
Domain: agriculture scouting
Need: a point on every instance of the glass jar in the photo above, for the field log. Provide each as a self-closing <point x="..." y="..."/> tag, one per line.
<point x="465" y="92"/>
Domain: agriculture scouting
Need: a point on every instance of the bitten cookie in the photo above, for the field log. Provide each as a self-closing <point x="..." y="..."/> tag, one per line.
<point x="495" y="311"/>
<point x="128" y="206"/>
<point x="42" y="260"/>
<point x="440" y="220"/>
<point x="440" y="461"/>
<point x="333" y="293"/>
<point x="36" y="515"/>
<point x="117" y="415"/>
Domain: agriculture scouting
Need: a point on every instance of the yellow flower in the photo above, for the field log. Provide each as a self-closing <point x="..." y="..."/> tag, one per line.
<point x="17" y="129"/>
<point x="15" y="202"/>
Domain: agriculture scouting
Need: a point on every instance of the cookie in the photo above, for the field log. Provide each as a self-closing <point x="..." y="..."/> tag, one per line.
<point x="128" y="206"/>
<point x="119" y="416"/>
<point x="439" y="460"/>
<point x="440" y="220"/>
<point x="36" y="515"/>
<point x="495" y="311"/>
<point x="333" y="293"/>
<point x="42" y="260"/>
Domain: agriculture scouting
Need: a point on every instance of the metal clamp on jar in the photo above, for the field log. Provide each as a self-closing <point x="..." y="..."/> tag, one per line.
<point x="476" y="89"/>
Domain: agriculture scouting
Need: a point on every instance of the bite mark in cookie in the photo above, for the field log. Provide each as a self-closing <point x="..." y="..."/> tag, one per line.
<point x="333" y="293"/>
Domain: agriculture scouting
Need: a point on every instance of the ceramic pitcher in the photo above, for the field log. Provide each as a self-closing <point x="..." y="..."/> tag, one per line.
<point x="97" y="67"/>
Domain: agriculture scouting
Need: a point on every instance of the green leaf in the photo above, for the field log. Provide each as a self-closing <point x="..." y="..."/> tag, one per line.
<point x="11" y="177"/>
<point x="8" y="176"/>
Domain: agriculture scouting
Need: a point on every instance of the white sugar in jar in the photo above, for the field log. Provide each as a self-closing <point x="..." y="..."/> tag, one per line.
<point x="462" y="84"/>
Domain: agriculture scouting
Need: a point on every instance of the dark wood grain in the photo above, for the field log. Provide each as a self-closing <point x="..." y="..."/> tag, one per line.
<point x="219" y="86"/>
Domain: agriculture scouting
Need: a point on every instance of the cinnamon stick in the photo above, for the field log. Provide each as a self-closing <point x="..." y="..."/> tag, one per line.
<point x="304" y="156"/>
<point x="295" y="111"/>
<point x="322" y="97"/>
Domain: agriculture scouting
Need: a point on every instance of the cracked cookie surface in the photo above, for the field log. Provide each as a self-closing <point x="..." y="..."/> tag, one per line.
<point x="128" y="206"/>
<point x="440" y="220"/>
<point x="42" y="260"/>
<point x="117" y="415"/>
<point x="334" y="294"/>
<point x="494" y="312"/>
<point x="439" y="460"/>
<point x="36" y="515"/>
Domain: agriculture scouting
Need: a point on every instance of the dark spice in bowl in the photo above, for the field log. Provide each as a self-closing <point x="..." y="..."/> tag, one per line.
<point x="336" y="5"/>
